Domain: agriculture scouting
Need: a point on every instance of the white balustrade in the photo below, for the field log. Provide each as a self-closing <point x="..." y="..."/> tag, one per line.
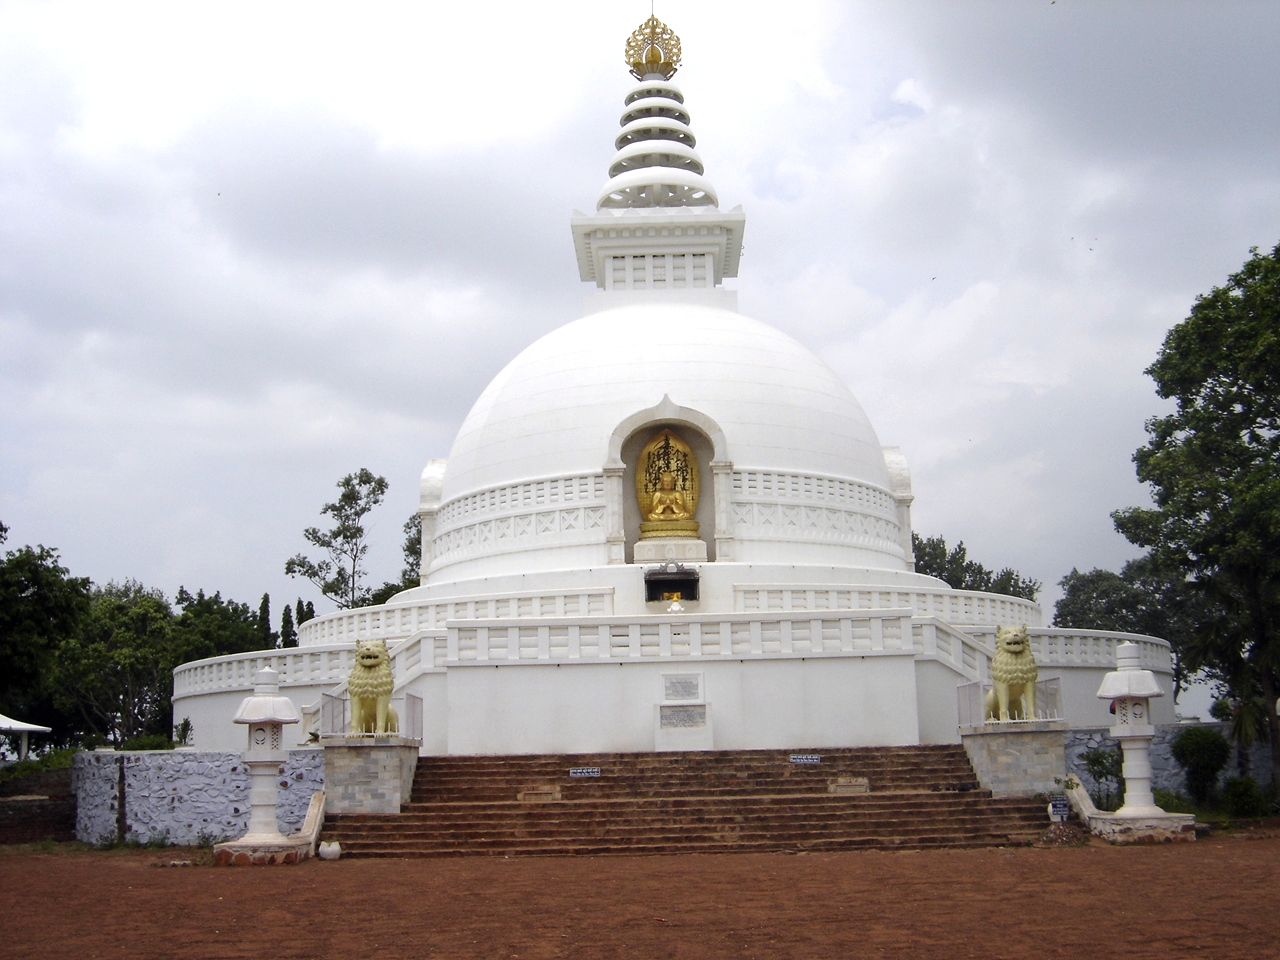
<point x="396" y="621"/>
<point x="954" y="606"/>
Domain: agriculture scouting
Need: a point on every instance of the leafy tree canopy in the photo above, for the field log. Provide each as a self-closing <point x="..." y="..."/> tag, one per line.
<point x="1142" y="598"/>
<point x="960" y="573"/>
<point x="288" y="633"/>
<point x="40" y="605"/>
<point x="339" y="575"/>
<point x="212" y="627"/>
<point x="1213" y="466"/>
<point x="116" y="672"/>
<point x="411" y="574"/>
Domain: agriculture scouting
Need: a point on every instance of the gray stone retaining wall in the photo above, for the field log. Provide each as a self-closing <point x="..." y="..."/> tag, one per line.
<point x="1017" y="763"/>
<point x="1165" y="772"/>
<point x="183" y="796"/>
<point x="369" y="777"/>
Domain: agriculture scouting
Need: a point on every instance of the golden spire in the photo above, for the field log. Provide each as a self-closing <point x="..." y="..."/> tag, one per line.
<point x="653" y="48"/>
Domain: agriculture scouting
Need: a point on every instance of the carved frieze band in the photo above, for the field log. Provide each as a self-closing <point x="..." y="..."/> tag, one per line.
<point x="781" y="521"/>
<point x="822" y="508"/>
<point x="501" y="532"/>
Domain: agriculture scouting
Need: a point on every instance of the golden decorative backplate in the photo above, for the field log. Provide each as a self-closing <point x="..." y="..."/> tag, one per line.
<point x="653" y="48"/>
<point x="666" y="453"/>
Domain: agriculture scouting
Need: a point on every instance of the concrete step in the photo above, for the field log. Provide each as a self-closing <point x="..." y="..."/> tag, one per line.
<point x="684" y="802"/>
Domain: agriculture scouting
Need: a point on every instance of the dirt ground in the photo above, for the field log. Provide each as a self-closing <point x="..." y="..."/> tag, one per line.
<point x="1215" y="899"/>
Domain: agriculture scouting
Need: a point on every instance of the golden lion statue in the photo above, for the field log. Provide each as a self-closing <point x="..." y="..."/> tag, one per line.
<point x="370" y="686"/>
<point x="1013" y="677"/>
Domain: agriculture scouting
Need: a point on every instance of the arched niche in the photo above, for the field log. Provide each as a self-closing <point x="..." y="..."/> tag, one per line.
<point x="706" y="439"/>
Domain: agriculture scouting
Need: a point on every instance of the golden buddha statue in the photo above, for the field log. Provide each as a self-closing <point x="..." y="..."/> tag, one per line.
<point x="667" y="487"/>
<point x="668" y="503"/>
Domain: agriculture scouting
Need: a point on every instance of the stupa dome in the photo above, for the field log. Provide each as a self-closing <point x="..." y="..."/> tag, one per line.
<point x="803" y="476"/>
<point x="551" y="410"/>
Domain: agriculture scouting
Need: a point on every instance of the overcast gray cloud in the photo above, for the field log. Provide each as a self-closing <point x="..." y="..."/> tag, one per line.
<point x="236" y="264"/>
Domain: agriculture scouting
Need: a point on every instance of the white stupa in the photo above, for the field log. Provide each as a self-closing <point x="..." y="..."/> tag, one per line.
<point x="669" y="526"/>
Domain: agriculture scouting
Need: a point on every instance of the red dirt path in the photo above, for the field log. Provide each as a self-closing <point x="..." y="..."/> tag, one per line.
<point x="1218" y="898"/>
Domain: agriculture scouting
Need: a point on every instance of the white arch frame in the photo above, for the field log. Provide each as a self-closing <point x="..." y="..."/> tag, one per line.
<point x="667" y="411"/>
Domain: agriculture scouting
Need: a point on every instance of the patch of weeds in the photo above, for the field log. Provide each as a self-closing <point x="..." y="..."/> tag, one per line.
<point x="53" y="760"/>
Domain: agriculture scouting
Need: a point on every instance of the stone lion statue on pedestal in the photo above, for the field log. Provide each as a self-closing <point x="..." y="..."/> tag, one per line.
<point x="1013" y="677"/>
<point x="370" y="686"/>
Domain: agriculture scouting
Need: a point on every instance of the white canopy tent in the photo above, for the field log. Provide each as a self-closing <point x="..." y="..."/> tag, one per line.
<point x="8" y="725"/>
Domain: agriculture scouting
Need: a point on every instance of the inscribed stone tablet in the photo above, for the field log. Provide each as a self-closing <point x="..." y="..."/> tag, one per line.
<point x="682" y="717"/>
<point x="681" y="686"/>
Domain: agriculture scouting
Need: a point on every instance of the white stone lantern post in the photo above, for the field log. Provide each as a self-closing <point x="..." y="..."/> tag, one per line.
<point x="264" y="714"/>
<point x="1130" y="690"/>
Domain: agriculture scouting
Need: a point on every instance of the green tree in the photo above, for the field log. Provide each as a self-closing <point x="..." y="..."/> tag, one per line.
<point x="41" y="605"/>
<point x="304" y="612"/>
<point x="1213" y="466"/>
<point x="1202" y="752"/>
<point x="288" y="633"/>
<point x="117" y="670"/>
<point x="212" y="627"/>
<point x="411" y="573"/>
<point x="1141" y="598"/>
<point x="338" y="576"/>
<point x="267" y="638"/>
<point x="960" y="573"/>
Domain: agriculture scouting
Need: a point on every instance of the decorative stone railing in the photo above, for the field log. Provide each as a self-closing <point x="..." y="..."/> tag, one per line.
<point x="695" y="636"/>
<point x="400" y="620"/>
<point x="954" y="606"/>
<point x="684" y="636"/>
<point x="309" y="666"/>
<point x="397" y="621"/>
<point x="1062" y="647"/>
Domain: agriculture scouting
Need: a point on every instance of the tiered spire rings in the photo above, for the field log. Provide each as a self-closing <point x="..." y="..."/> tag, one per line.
<point x="656" y="165"/>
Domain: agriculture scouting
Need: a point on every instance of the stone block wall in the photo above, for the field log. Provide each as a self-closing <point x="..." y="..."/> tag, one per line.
<point x="182" y="796"/>
<point x="1017" y="763"/>
<point x="1165" y="772"/>
<point x="365" y="777"/>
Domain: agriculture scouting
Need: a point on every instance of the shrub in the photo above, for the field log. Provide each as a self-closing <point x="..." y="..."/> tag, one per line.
<point x="1105" y="767"/>
<point x="1172" y="802"/>
<point x="1202" y="753"/>
<point x="1242" y="798"/>
<point x="53" y="760"/>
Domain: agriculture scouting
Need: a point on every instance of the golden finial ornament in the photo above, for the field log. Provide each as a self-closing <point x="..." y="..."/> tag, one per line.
<point x="653" y="48"/>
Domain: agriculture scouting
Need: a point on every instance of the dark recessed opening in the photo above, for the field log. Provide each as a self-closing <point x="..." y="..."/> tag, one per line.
<point x="671" y="581"/>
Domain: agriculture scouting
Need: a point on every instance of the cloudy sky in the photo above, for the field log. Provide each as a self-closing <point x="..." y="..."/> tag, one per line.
<point x="247" y="248"/>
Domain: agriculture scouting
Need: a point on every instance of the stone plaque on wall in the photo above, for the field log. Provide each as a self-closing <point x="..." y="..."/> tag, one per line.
<point x="681" y="686"/>
<point x="683" y="717"/>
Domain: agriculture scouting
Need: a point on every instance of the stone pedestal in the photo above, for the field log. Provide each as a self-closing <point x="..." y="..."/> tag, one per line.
<point x="663" y="549"/>
<point x="247" y="853"/>
<point x="1156" y="828"/>
<point x="1017" y="760"/>
<point x="368" y="774"/>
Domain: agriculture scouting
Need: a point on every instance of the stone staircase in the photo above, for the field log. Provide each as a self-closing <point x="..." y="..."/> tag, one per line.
<point x="712" y="802"/>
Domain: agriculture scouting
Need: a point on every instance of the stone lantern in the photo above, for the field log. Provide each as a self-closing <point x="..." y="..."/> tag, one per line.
<point x="264" y="714"/>
<point x="1130" y="690"/>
